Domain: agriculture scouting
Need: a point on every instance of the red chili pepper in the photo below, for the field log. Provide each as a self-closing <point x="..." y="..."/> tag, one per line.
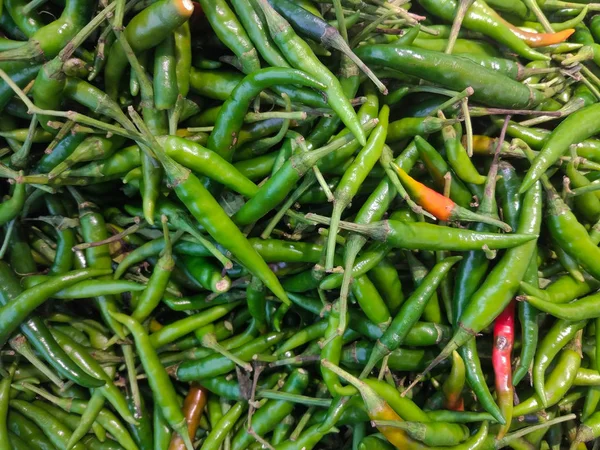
<point x="504" y="337"/>
<point x="440" y="206"/>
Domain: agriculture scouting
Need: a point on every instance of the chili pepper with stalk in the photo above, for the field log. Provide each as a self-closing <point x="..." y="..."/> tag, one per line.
<point x="501" y="284"/>
<point x="317" y="29"/>
<point x="285" y="179"/>
<point x="439" y="170"/>
<point x="380" y="412"/>
<point x="299" y="55"/>
<point x="211" y="216"/>
<point x="453" y="72"/>
<point x="145" y="30"/>
<point x="577" y="127"/>
<point x="231" y="33"/>
<point x="353" y="177"/>
<point x="193" y="407"/>
<point x="157" y="284"/>
<point x="223" y="138"/>
<point x="425" y="236"/>
<point x="87" y="362"/>
<point x="271" y="413"/>
<point x="162" y="388"/>
<point x="56" y="431"/>
<point x="50" y="39"/>
<point x="440" y="206"/>
<point x="409" y="313"/>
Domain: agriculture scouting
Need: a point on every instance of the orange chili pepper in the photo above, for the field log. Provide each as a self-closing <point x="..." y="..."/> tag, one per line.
<point x="540" y="39"/>
<point x="193" y="406"/>
<point x="440" y="206"/>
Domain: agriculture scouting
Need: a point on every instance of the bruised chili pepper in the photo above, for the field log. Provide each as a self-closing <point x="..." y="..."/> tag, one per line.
<point x="504" y="335"/>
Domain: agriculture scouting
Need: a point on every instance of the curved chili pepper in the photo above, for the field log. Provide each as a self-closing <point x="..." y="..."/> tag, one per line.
<point x="47" y="41"/>
<point x="455" y="73"/>
<point x="575" y="128"/>
<point x="144" y="31"/>
<point x="409" y="313"/>
<point x="502" y="284"/>
<point x="162" y="388"/>
<point x="57" y="432"/>
<point x="504" y="334"/>
<point x="559" y="381"/>
<point x="480" y="17"/>
<point x="224" y="136"/>
<point x="299" y="55"/>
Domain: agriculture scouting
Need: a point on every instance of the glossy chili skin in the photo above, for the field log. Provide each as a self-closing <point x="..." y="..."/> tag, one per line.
<point x="223" y="138"/>
<point x="480" y="17"/>
<point x="564" y="135"/>
<point x="146" y="30"/>
<point x="409" y="313"/>
<point x="162" y="388"/>
<point x="230" y="31"/>
<point x="40" y="337"/>
<point x="455" y="73"/>
<point x="300" y="56"/>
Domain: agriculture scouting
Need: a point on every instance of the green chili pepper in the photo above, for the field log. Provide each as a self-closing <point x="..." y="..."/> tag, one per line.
<point x="454" y="73"/>
<point x="300" y="56"/>
<point x="162" y="388"/>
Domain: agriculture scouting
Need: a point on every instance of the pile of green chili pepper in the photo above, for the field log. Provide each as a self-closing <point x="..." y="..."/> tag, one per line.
<point x="299" y="224"/>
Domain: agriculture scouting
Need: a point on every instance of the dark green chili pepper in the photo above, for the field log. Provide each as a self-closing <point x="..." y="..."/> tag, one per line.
<point x="223" y="138"/>
<point x="299" y="55"/>
<point x="227" y="27"/>
<point x="215" y="365"/>
<point x="454" y="73"/>
<point x="409" y="313"/>
<point x="268" y="416"/>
